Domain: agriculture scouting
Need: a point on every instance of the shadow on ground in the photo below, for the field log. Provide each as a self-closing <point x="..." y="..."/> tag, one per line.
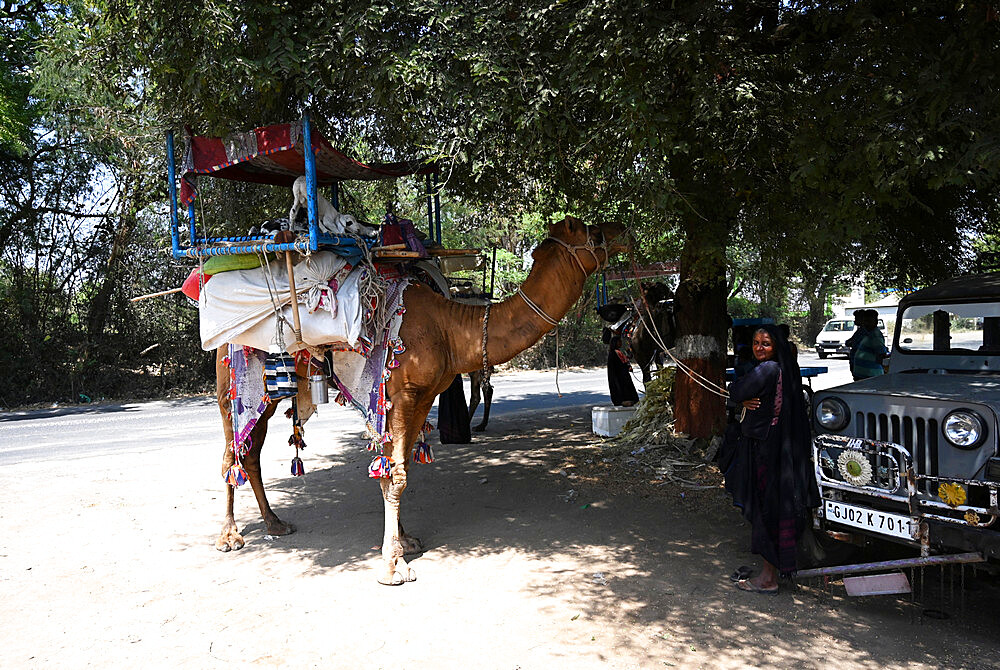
<point x="655" y="558"/>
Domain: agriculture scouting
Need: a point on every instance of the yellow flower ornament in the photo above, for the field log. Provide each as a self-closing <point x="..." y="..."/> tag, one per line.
<point x="952" y="494"/>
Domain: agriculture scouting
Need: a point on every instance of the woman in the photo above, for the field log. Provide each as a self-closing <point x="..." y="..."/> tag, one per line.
<point x="771" y="474"/>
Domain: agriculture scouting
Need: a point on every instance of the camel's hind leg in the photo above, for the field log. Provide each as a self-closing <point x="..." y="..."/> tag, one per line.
<point x="230" y="537"/>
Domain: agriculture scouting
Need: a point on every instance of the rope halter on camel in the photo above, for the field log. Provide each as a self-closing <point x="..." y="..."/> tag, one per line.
<point x="590" y="247"/>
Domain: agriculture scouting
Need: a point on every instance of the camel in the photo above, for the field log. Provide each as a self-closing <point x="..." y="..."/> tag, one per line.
<point x="644" y="345"/>
<point x="442" y="339"/>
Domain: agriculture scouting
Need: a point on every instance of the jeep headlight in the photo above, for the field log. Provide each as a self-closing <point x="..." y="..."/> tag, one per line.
<point x="964" y="429"/>
<point x="832" y="413"/>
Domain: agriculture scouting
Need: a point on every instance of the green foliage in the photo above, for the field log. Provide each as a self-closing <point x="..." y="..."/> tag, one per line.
<point x="813" y="139"/>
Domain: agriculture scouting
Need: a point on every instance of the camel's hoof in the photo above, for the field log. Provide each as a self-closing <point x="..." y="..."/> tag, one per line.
<point x="411" y="545"/>
<point x="411" y="576"/>
<point x="480" y="428"/>
<point x="395" y="580"/>
<point x="229" y="541"/>
<point x="278" y="527"/>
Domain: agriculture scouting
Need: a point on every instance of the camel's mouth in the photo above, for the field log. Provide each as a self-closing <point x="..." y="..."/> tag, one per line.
<point x="616" y="238"/>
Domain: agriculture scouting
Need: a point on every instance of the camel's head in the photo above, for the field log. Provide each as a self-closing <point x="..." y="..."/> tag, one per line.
<point x="592" y="245"/>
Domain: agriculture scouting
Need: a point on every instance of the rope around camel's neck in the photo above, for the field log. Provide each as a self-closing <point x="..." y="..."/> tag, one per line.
<point x="542" y="300"/>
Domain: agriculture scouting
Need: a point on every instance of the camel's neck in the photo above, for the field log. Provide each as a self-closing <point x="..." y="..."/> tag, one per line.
<point x="553" y="285"/>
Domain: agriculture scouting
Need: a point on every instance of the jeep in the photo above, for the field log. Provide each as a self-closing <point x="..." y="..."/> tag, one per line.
<point x="911" y="456"/>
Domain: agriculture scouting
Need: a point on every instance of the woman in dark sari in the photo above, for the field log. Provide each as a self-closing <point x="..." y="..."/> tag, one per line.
<point x="771" y="474"/>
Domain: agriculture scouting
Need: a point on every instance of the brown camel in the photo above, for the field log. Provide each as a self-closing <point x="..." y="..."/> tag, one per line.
<point x="443" y="339"/>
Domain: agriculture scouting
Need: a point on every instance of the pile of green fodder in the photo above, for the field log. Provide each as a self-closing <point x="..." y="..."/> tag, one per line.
<point x="653" y="422"/>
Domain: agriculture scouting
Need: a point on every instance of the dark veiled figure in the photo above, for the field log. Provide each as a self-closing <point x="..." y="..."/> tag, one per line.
<point x="767" y="461"/>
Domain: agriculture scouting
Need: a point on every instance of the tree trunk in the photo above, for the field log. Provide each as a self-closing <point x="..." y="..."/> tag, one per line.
<point x="702" y="327"/>
<point x="817" y="291"/>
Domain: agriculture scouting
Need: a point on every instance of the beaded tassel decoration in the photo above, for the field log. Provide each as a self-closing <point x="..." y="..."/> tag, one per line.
<point x="236" y="476"/>
<point x="380" y="467"/>
<point x="422" y="453"/>
<point x="295" y="440"/>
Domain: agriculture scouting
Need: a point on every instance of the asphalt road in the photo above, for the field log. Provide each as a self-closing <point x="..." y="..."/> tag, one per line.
<point x="61" y="433"/>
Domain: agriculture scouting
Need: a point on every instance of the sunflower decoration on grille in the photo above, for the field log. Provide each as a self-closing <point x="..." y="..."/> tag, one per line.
<point x="854" y="467"/>
<point x="971" y="518"/>
<point x="952" y="494"/>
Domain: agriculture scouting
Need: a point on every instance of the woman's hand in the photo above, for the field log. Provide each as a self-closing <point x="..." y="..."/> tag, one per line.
<point x="751" y="404"/>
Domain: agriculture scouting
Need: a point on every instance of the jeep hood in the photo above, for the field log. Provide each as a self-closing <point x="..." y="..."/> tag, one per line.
<point x="955" y="387"/>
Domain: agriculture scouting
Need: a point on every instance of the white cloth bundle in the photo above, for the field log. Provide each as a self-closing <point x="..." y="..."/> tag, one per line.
<point x="237" y="306"/>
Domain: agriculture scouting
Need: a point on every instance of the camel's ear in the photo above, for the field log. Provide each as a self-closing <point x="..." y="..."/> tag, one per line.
<point x="569" y="228"/>
<point x="574" y="225"/>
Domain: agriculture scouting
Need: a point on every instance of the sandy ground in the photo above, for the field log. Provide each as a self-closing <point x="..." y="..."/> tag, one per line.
<point x="539" y="554"/>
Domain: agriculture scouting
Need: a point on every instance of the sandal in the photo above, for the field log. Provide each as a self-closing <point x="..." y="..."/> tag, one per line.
<point x="742" y="572"/>
<point x="747" y="585"/>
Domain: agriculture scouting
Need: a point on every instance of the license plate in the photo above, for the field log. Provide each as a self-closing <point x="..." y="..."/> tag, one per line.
<point x="883" y="523"/>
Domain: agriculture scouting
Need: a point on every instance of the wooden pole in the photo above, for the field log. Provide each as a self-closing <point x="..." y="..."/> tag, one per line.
<point x="155" y="295"/>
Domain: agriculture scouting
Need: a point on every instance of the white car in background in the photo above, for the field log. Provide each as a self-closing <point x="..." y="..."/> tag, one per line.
<point x="833" y="338"/>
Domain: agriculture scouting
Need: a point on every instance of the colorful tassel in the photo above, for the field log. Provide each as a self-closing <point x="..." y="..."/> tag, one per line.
<point x="422" y="453"/>
<point x="393" y="364"/>
<point x="297" y="468"/>
<point x="236" y="476"/>
<point x="295" y="439"/>
<point x="428" y="427"/>
<point x="380" y="467"/>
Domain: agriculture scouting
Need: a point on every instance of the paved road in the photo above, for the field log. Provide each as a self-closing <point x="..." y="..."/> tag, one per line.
<point x="61" y="433"/>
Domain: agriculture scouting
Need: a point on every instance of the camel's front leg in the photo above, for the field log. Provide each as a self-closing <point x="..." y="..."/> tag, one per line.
<point x="406" y="419"/>
<point x="411" y="545"/>
<point x="394" y="571"/>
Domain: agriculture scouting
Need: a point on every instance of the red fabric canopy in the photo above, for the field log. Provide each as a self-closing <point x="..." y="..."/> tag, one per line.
<point x="274" y="155"/>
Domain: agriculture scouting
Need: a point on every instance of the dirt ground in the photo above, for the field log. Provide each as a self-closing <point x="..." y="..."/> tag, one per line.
<point x="543" y="550"/>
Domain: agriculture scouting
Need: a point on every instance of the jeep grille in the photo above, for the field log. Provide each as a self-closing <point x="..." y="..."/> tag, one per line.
<point x="916" y="431"/>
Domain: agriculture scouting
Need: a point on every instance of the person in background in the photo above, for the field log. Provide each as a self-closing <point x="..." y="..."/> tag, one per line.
<point x="743" y="360"/>
<point x="623" y="393"/>
<point x="769" y="470"/>
<point x="871" y="348"/>
<point x="855" y="339"/>
<point x="786" y="330"/>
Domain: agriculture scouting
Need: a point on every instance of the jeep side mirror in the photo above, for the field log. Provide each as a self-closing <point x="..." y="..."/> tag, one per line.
<point x="908" y="340"/>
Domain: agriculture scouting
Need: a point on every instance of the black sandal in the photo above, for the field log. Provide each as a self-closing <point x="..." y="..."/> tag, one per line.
<point x="741" y="573"/>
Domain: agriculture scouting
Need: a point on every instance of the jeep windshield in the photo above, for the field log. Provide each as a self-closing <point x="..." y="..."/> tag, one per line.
<point x="946" y="328"/>
<point x="839" y="326"/>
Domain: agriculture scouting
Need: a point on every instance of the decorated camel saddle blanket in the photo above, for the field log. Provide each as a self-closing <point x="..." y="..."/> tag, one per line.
<point x="362" y="363"/>
<point x="252" y="307"/>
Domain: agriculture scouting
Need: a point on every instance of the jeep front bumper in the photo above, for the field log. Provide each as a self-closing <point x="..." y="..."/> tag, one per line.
<point x="871" y="487"/>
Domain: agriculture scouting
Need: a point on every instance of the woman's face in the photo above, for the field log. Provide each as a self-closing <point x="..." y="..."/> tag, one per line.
<point x="763" y="346"/>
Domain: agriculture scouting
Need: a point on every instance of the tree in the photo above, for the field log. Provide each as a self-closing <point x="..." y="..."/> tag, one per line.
<point x="806" y="128"/>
